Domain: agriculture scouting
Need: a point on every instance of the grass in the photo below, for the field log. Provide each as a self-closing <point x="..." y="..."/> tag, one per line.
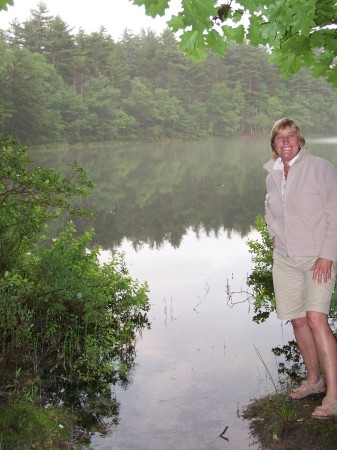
<point x="266" y="368"/>
<point x="277" y="422"/>
<point x="24" y="426"/>
<point x="285" y="405"/>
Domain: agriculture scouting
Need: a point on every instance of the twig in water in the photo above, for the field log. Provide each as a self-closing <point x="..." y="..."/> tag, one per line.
<point x="207" y="288"/>
<point x="222" y="435"/>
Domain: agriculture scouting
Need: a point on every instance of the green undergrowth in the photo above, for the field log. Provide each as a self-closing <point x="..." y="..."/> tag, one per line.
<point x="24" y="426"/>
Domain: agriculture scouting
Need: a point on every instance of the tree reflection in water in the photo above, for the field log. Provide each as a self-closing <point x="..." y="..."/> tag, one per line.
<point x="94" y="406"/>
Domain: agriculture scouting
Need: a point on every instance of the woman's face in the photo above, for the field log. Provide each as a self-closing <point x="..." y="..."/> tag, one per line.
<point x="286" y="144"/>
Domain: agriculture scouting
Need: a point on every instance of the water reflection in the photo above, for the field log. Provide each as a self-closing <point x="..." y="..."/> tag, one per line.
<point x="95" y="408"/>
<point x="153" y="194"/>
<point x="182" y="214"/>
<point x="324" y="140"/>
<point x="196" y="368"/>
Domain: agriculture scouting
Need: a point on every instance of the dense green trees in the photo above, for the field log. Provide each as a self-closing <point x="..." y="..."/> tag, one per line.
<point x="298" y="33"/>
<point x="61" y="87"/>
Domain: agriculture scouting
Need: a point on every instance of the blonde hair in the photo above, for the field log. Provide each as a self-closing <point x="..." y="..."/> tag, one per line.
<point x="280" y="125"/>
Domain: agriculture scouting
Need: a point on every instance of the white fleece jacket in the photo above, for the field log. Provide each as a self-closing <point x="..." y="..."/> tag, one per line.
<point x="304" y="223"/>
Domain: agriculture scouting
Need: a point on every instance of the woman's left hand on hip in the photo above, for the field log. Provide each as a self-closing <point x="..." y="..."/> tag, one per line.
<point x="321" y="270"/>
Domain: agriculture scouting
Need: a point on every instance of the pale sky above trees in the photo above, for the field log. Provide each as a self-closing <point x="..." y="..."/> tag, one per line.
<point x="114" y="15"/>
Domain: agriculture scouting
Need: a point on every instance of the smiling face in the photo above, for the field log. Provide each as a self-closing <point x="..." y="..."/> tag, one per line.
<point x="287" y="144"/>
<point x="286" y="139"/>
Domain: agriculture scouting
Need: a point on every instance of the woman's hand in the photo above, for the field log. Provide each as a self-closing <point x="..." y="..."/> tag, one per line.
<point x="321" y="270"/>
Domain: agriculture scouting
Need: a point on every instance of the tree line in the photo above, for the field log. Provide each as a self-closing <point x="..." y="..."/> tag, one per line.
<point x="61" y="87"/>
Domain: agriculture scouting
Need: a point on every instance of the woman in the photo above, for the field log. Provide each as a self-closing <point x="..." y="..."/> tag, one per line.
<point x="301" y="214"/>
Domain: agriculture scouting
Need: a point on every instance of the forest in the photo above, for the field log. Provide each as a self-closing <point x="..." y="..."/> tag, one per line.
<point x="57" y="87"/>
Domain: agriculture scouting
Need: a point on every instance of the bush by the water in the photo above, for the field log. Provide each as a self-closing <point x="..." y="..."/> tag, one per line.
<point x="62" y="312"/>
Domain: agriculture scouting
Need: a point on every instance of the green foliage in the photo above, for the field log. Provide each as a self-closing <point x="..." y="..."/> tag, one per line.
<point x="5" y="3"/>
<point x="295" y="39"/>
<point x="30" y="198"/>
<point x="56" y="87"/>
<point x="261" y="277"/>
<point x="153" y="8"/>
<point x="61" y="311"/>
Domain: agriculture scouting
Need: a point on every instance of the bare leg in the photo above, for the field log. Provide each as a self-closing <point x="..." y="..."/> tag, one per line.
<point x="318" y="347"/>
<point x="326" y="349"/>
<point x="306" y="344"/>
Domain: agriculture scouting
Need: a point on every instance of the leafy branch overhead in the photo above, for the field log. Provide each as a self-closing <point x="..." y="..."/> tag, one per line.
<point x="298" y="33"/>
<point x="5" y="3"/>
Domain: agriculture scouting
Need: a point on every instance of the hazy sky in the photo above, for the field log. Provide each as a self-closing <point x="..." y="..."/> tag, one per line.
<point x="114" y="15"/>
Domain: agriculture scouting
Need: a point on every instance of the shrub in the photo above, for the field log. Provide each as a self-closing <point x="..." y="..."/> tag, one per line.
<point x="61" y="311"/>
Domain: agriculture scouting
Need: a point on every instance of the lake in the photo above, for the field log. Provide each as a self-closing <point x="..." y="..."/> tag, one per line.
<point x="182" y="214"/>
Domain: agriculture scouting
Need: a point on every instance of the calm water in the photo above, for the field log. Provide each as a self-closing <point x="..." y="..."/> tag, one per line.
<point x="182" y="215"/>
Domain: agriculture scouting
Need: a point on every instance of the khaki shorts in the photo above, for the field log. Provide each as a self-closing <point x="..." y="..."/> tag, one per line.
<point x="295" y="290"/>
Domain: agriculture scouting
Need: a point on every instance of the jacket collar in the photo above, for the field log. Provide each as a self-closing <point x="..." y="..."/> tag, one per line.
<point x="269" y="165"/>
